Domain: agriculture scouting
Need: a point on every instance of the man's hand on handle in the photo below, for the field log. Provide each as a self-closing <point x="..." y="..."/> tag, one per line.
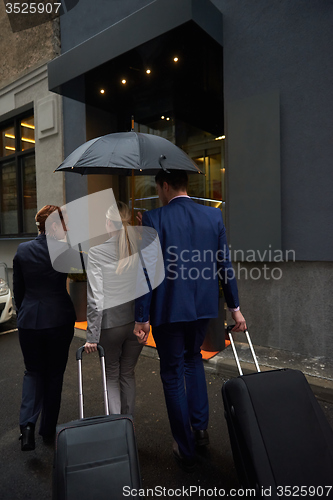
<point x="240" y="323"/>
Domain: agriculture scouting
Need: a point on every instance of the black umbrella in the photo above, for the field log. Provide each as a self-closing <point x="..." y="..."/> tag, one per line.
<point x="127" y="153"/>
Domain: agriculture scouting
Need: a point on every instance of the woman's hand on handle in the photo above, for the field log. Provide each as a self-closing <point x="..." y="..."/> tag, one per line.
<point x="90" y="347"/>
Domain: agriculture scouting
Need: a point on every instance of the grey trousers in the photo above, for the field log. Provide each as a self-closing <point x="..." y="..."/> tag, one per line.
<point x="122" y="351"/>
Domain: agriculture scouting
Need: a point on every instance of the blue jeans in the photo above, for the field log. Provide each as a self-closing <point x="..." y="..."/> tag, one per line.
<point x="183" y="379"/>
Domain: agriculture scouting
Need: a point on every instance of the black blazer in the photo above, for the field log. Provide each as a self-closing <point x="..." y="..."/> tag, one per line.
<point x="40" y="292"/>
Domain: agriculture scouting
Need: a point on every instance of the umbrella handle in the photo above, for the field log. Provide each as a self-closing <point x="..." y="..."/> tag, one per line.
<point x="162" y="157"/>
<point x="133" y="194"/>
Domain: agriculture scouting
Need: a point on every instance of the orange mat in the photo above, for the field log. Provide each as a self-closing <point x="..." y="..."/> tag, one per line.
<point x="82" y="325"/>
<point x="204" y="354"/>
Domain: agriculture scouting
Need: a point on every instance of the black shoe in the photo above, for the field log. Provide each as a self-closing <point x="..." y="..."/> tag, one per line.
<point x="27" y="437"/>
<point x="187" y="464"/>
<point x="201" y="438"/>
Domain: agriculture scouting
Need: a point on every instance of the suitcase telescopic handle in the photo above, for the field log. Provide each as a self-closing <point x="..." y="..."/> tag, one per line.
<point x="81" y="350"/>
<point x="229" y="328"/>
<point x="79" y="353"/>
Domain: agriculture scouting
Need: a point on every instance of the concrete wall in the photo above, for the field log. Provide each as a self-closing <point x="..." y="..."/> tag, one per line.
<point x="287" y="47"/>
<point x="287" y="305"/>
<point x="24" y="50"/>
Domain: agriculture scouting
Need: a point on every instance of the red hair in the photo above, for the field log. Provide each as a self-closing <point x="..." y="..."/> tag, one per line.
<point x="46" y="212"/>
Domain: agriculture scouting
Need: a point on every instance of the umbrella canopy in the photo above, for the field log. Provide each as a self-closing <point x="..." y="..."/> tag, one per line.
<point x="127" y="152"/>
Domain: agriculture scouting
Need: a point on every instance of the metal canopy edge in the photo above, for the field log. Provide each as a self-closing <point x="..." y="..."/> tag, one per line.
<point x="155" y="19"/>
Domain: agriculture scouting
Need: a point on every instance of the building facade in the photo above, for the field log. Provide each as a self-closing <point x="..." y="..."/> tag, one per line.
<point x="245" y="89"/>
<point x="31" y="140"/>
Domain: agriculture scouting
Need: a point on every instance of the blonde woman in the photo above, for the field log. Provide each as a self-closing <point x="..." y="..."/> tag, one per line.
<point x="110" y="312"/>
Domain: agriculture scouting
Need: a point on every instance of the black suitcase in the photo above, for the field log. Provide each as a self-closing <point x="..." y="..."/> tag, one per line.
<point x="95" y="458"/>
<point x="281" y="441"/>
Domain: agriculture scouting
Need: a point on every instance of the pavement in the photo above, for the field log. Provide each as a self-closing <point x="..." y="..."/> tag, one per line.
<point x="28" y="475"/>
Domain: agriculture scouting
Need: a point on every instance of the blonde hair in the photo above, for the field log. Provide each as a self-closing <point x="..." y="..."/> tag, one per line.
<point x="127" y="244"/>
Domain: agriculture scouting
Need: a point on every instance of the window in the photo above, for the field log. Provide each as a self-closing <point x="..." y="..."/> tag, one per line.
<point x="18" y="199"/>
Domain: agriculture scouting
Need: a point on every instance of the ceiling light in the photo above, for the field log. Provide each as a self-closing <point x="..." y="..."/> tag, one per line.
<point x="175" y="59"/>
<point x="168" y="119"/>
<point x="162" y="117"/>
<point x="148" y="71"/>
<point x="123" y="81"/>
<point x="27" y="125"/>
<point x="102" y="91"/>
<point x="28" y="140"/>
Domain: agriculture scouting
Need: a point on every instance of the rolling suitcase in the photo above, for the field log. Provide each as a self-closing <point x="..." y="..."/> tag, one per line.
<point x="95" y="457"/>
<point x="281" y="441"/>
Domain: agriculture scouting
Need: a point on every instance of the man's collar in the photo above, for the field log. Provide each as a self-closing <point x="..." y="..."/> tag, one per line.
<point x="179" y="196"/>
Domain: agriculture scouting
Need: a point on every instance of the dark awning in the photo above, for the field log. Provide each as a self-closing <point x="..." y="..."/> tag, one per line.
<point x="157" y="18"/>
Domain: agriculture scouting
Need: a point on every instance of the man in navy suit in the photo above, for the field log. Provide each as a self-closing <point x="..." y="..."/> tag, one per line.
<point x="196" y="257"/>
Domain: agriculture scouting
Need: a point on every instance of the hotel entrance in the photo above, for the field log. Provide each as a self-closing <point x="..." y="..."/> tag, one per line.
<point x="171" y="86"/>
<point x="169" y="77"/>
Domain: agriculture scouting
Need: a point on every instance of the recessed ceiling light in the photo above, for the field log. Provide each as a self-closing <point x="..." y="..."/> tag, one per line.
<point x="175" y="59"/>
<point x="148" y="71"/>
<point x="162" y="117"/>
<point x="168" y="118"/>
<point x="123" y="81"/>
<point x="27" y="125"/>
<point x="102" y="91"/>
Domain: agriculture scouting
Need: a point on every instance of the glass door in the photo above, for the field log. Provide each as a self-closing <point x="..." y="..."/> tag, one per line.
<point x="206" y="150"/>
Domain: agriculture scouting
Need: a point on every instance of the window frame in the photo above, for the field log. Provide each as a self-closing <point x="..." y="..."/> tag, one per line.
<point x="18" y="157"/>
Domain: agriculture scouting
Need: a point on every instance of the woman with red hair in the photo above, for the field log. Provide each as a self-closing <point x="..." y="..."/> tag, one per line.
<point x="45" y="320"/>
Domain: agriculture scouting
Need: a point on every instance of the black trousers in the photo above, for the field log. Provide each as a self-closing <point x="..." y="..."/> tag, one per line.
<point x="45" y="354"/>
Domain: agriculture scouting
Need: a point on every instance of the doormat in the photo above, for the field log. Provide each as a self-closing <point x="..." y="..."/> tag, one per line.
<point x="82" y="325"/>
<point x="204" y="354"/>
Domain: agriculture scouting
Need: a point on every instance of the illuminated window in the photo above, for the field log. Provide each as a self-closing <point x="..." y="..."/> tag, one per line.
<point x="8" y="143"/>
<point x="18" y="198"/>
<point x="27" y="133"/>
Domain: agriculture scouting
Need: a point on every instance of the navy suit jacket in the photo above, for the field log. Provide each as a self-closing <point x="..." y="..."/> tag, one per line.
<point x="196" y="256"/>
<point x="40" y="292"/>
